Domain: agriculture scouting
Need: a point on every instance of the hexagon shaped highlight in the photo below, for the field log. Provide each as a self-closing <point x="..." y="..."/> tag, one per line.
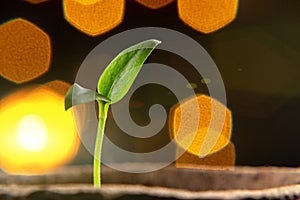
<point x="207" y="139"/>
<point x="207" y="16"/>
<point x="94" y="17"/>
<point x="25" y="51"/>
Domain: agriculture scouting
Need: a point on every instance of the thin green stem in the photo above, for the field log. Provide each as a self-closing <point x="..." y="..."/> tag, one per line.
<point x="103" y="108"/>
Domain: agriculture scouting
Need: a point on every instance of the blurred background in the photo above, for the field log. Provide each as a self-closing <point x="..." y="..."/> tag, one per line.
<point x="257" y="55"/>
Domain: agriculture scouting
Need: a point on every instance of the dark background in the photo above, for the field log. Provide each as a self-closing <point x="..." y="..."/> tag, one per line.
<point x="258" y="56"/>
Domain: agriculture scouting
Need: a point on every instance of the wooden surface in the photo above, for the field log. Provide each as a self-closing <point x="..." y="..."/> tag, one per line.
<point x="168" y="183"/>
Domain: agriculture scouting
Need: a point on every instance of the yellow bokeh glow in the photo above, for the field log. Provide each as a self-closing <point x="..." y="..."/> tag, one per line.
<point x="208" y="138"/>
<point x="94" y="17"/>
<point x="207" y="16"/>
<point x="36" y="133"/>
<point x="32" y="133"/>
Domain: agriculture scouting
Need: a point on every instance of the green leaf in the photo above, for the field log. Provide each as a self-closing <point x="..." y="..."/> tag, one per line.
<point x="120" y="74"/>
<point x="78" y="95"/>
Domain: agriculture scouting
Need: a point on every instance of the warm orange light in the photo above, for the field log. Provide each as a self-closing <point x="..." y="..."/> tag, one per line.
<point x="154" y="4"/>
<point x="207" y="15"/>
<point x="25" y="51"/>
<point x="208" y="139"/>
<point x="58" y="86"/>
<point x="94" y="17"/>
<point x="80" y="112"/>
<point x="221" y="160"/>
<point x="36" y="133"/>
<point x="35" y="1"/>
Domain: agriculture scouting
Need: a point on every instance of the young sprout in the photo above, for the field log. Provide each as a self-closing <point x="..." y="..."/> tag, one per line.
<point x="113" y="85"/>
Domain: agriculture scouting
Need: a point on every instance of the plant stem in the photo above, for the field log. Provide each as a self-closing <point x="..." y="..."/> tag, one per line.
<point x="103" y="108"/>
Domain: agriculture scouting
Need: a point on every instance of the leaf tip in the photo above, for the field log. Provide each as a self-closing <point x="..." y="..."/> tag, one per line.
<point x="66" y="104"/>
<point x="158" y="41"/>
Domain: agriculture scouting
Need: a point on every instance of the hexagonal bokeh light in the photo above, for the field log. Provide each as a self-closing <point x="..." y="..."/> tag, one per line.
<point x="94" y="17"/>
<point x="207" y="148"/>
<point x="25" y="51"/>
<point x="35" y="1"/>
<point x="154" y="4"/>
<point x="207" y="16"/>
<point x="208" y="139"/>
<point x="223" y="159"/>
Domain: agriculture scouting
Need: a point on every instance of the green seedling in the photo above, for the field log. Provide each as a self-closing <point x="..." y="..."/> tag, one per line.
<point x="113" y="85"/>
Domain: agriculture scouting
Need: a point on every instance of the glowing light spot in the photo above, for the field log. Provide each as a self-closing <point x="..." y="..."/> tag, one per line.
<point x="25" y="51"/>
<point x="80" y="112"/>
<point x="32" y="133"/>
<point x="36" y="134"/>
<point x="192" y="85"/>
<point x="155" y="4"/>
<point x="208" y="139"/>
<point x="207" y="16"/>
<point x="35" y="1"/>
<point x="221" y="160"/>
<point x="94" y="17"/>
<point x="205" y="81"/>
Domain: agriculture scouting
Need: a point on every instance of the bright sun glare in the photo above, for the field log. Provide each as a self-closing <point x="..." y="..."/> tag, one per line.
<point x="36" y="134"/>
<point x="32" y="133"/>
